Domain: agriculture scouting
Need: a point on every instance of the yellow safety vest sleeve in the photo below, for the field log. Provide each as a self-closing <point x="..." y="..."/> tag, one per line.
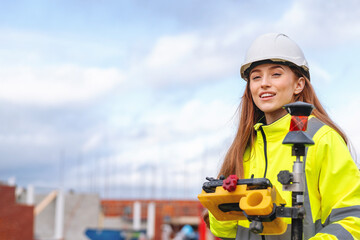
<point x="324" y="236"/>
<point x="223" y="229"/>
<point x="333" y="181"/>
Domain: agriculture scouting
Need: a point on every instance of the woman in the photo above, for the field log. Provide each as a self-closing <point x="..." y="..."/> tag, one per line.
<point x="277" y="73"/>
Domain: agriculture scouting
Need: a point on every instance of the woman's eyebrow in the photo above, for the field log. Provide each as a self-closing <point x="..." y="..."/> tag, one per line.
<point x="271" y="68"/>
<point x="254" y="70"/>
<point x="277" y="66"/>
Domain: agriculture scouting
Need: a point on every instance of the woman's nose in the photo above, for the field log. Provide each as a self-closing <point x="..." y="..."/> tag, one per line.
<point x="265" y="81"/>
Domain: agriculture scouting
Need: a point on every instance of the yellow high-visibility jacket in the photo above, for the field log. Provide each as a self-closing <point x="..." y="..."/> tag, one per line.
<point x="332" y="183"/>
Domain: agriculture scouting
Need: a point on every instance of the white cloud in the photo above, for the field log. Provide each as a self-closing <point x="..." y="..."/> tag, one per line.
<point x="36" y="139"/>
<point x="347" y="116"/>
<point x="190" y="140"/>
<point x="203" y="116"/>
<point x="92" y="142"/>
<point x="186" y="58"/>
<point x="54" y="85"/>
<point x="320" y="74"/>
<point x="169" y="50"/>
<point x="193" y="116"/>
<point x="320" y="23"/>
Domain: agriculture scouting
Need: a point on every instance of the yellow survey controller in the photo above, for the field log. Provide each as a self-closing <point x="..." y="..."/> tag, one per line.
<point x="240" y="199"/>
<point x="222" y="204"/>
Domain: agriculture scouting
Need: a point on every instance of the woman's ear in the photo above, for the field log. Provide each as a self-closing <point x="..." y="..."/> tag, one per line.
<point x="300" y="84"/>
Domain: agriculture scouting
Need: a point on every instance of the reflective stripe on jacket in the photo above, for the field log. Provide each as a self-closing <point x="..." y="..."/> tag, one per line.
<point x="332" y="188"/>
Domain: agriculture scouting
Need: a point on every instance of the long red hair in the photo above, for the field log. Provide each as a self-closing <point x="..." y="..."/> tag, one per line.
<point x="250" y="114"/>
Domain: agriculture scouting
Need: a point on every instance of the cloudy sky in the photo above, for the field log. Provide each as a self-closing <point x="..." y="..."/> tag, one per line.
<point x="138" y="98"/>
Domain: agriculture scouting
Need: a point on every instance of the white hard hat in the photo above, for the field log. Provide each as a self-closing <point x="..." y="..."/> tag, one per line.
<point x="276" y="47"/>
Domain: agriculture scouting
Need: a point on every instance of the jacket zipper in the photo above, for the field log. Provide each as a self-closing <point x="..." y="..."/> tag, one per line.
<point x="265" y="150"/>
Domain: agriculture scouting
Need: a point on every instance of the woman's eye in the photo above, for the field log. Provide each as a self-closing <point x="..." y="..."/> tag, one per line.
<point x="255" y="77"/>
<point x="277" y="74"/>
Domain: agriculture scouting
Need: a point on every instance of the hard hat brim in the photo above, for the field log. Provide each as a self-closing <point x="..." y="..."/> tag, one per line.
<point x="246" y="68"/>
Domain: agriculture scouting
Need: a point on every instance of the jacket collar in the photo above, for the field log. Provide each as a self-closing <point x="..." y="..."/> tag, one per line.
<point x="275" y="131"/>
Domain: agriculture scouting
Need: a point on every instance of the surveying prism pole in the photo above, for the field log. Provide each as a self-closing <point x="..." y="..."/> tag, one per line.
<point x="295" y="181"/>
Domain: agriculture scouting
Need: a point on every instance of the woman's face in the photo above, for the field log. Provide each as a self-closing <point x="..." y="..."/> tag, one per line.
<point x="272" y="86"/>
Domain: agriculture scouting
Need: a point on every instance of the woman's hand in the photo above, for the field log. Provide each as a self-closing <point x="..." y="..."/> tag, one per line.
<point x="205" y="216"/>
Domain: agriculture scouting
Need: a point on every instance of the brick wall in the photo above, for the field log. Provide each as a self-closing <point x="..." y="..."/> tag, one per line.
<point x="16" y="220"/>
<point x="171" y="208"/>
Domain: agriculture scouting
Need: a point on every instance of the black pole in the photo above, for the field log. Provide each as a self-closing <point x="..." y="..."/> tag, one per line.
<point x="296" y="223"/>
<point x="296" y="229"/>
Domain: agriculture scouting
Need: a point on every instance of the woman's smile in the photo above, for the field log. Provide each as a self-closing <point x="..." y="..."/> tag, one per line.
<point x="267" y="95"/>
